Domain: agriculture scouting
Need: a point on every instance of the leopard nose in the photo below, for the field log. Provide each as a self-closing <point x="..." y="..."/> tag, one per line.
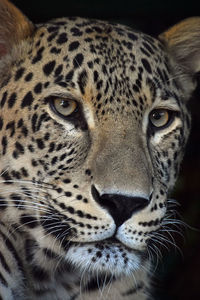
<point x="120" y="207"/>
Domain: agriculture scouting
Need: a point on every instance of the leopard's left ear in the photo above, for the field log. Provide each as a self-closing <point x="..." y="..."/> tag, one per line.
<point x="14" y="27"/>
<point x="183" y="43"/>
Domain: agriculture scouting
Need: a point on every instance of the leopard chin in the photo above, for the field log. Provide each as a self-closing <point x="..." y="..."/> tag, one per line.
<point x="105" y="257"/>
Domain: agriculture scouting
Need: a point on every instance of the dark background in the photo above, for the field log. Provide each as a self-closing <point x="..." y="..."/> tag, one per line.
<point x="178" y="276"/>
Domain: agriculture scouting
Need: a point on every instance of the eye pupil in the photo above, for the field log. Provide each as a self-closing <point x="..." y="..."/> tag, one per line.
<point x="158" y="115"/>
<point x="64" y="103"/>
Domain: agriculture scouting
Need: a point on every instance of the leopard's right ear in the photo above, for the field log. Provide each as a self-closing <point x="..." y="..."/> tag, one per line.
<point x="14" y="27"/>
<point x="182" y="41"/>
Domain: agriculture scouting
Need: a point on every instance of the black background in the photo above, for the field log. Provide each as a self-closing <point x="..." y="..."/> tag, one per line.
<point x="178" y="276"/>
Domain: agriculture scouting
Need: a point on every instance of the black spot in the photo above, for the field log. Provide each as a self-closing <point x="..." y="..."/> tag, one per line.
<point x="96" y="76"/>
<point x="136" y="88"/>
<point x="20" y="123"/>
<point x="162" y="192"/>
<point x="34" y="122"/>
<point x="51" y="147"/>
<point x="38" y="88"/>
<point x="148" y="47"/>
<point x="19" y="73"/>
<point x="78" y="60"/>
<point x="88" y="172"/>
<point x="99" y="84"/>
<point x="132" y="36"/>
<point x="73" y="46"/>
<point x="34" y="163"/>
<point x="3" y="100"/>
<point x="27" y="101"/>
<point x="12" y="100"/>
<point x="62" y="38"/>
<point x="46" y="136"/>
<point x="55" y="50"/>
<point x="82" y="81"/>
<point x="29" y="221"/>
<point x="4" y="143"/>
<point x="38" y="56"/>
<point x="19" y="147"/>
<point x="145" y="52"/>
<point x="63" y="84"/>
<point x="58" y="70"/>
<point x="15" y="174"/>
<point x="69" y="160"/>
<point x="40" y="143"/>
<point x="15" y="154"/>
<point x="71" y="210"/>
<point x="52" y="36"/>
<point x="48" y="68"/>
<point x="29" y="76"/>
<point x="63" y="156"/>
<point x="54" y="160"/>
<point x="62" y="205"/>
<point x="24" y="172"/>
<point x="66" y="180"/>
<point x="17" y="200"/>
<point x="88" y="40"/>
<point x="90" y="64"/>
<point x="146" y="65"/>
<point x="52" y="29"/>
<point x="1" y="123"/>
<point x="68" y="194"/>
<point x="134" y="103"/>
<point x="99" y="98"/>
<point x="128" y="45"/>
<point x="59" y="147"/>
<point x="3" y="203"/>
<point x="11" y="127"/>
<point x="76" y="32"/>
<point x="69" y="76"/>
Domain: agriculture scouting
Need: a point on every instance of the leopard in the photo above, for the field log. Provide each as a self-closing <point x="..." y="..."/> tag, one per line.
<point x="94" y="121"/>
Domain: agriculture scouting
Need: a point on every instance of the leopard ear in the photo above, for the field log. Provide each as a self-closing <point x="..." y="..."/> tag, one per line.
<point x="14" y="27"/>
<point x="183" y="43"/>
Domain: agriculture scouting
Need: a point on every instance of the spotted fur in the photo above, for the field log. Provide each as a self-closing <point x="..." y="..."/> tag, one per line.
<point x="83" y="199"/>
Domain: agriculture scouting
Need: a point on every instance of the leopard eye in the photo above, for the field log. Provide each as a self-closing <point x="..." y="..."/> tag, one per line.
<point x="159" y="117"/>
<point x="63" y="107"/>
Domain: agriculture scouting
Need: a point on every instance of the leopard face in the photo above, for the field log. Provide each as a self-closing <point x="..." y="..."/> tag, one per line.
<point x="93" y="125"/>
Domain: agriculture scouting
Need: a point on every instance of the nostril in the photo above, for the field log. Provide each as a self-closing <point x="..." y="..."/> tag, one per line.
<point x="120" y="207"/>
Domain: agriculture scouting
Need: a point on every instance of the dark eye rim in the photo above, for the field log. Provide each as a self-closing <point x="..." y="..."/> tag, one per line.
<point x="73" y="115"/>
<point x="171" y="114"/>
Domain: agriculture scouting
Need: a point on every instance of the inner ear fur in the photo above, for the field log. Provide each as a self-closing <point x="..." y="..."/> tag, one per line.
<point x="14" y="27"/>
<point x="183" y="42"/>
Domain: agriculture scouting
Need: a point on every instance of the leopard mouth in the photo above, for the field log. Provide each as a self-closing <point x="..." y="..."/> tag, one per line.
<point x="112" y="241"/>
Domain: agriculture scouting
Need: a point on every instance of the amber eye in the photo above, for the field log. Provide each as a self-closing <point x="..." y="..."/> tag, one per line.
<point x="159" y="117"/>
<point x="64" y="107"/>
